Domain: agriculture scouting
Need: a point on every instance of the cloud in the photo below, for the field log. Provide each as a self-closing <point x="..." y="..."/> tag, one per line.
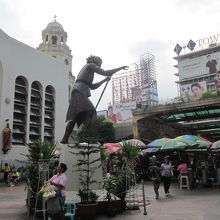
<point x="9" y="21"/>
<point x="154" y="46"/>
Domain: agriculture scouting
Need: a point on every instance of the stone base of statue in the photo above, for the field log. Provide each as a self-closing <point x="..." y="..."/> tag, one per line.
<point x="69" y="157"/>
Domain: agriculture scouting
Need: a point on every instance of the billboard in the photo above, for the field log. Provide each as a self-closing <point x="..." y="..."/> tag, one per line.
<point x="149" y="93"/>
<point x="103" y="113"/>
<point x="197" y="66"/>
<point x="121" y="112"/>
<point x="193" y="92"/>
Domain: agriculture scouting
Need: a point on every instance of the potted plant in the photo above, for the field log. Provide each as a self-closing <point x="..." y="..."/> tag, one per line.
<point x="38" y="150"/>
<point x="111" y="185"/>
<point x="87" y="166"/>
<point x="124" y="170"/>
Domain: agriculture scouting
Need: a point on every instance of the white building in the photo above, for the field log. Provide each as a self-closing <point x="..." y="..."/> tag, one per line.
<point x="34" y="89"/>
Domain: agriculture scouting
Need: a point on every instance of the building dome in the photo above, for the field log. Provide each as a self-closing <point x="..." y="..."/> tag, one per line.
<point x="54" y="43"/>
<point x="54" y="25"/>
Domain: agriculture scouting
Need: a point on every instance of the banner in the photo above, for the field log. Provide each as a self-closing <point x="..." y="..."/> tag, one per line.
<point x="149" y="93"/>
<point x="122" y="112"/>
<point x="197" y="66"/>
<point x="193" y="92"/>
<point x="103" y="113"/>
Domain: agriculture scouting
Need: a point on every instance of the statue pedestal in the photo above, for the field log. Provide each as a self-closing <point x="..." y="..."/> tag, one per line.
<point x="70" y="160"/>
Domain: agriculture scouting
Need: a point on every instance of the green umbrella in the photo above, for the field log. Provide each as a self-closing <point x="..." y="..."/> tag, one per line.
<point x="195" y="142"/>
<point x="174" y="144"/>
<point x="158" y="143"/>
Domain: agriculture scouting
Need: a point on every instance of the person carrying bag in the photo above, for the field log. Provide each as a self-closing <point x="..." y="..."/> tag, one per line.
<point x="55" y="205"/>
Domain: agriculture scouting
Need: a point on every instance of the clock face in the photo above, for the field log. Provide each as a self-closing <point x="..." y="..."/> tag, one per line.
<point x="66" y="61"/>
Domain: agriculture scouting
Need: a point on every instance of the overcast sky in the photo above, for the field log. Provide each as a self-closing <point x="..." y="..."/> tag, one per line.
<point x="118" y="31"/>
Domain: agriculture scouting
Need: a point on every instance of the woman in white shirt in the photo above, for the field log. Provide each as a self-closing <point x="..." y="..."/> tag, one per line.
<point x="166" y="173"/>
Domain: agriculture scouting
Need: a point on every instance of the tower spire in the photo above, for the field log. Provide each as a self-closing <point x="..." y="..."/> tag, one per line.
<point x="55" y="17"/>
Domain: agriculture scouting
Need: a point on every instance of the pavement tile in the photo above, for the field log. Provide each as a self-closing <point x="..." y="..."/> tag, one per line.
<point x="202" y="204"/>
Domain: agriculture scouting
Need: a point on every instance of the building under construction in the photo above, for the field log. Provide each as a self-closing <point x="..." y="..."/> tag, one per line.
<point x="138" y="84"/>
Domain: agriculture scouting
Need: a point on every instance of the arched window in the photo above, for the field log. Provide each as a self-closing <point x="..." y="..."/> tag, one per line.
<point x="61" y="40"/>
<point x="49" y="114"/>
<point x="35" y="112"/>
<point x="20" y="111"/>
<point x="54" y="40"/>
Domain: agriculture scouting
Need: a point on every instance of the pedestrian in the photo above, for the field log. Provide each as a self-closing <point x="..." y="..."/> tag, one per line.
<point x="183" y="169"/>
<point x="59" y="181"/>
<point x="167" y="173"/>
<point x="154" y="170"/>
<point x="7" y="170"/>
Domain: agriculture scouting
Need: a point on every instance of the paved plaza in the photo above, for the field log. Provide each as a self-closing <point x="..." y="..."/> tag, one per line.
<point x="197" y="204"/>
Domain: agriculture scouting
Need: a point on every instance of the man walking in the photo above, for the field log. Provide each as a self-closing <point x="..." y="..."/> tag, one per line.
<point x="155" y="174"/>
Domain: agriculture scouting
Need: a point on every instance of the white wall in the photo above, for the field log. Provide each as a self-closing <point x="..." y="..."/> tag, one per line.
<point x="19" y="59"/>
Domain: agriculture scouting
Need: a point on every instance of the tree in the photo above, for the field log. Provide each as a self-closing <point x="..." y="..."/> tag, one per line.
<point x="104" y="133"/>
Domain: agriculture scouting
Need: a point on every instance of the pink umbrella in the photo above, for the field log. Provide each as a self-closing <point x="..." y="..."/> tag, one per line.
<point x="56" y="152"/>
<point x="112" y="147"/>
<point x="204" y="139"/>
<point x="215" y="145"/>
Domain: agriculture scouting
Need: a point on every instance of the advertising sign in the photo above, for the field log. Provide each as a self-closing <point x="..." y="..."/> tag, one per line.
<point x="122" y="112"/>
<point x="103" y="113"/>
<point x="199" y="65"/>
<point x="217" y="81"/>
<point x="193" y="92"/>
<point x="149" y="93"/>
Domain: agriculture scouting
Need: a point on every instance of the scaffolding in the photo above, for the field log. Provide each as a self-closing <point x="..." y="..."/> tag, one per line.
<point x="138" y="84"/>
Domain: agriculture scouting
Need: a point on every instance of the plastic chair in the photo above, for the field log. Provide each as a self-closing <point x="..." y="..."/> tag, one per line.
<point x="186" y="184"/>
<point x="70" y="209"/>
<point x="212" y="181"/>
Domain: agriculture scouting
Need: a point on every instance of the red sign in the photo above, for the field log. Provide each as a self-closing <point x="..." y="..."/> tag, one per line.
<point x="217" y="84"/>
<point x="217" y="80"/>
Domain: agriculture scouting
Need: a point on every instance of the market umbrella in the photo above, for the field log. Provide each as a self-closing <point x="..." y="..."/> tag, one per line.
<point x="112" y="147"/>
<point x="174" y="144"/>
<point x="196" y="142"/>
<point x="158" y="143"/>
<point x="215" y="145"/>
<point x="150" y="150"/>
<point x="134" y="142"/>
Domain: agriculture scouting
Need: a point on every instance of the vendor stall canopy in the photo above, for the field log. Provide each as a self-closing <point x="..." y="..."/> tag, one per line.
<point x="204" y="120"/>
<point x="198" y="117"/>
